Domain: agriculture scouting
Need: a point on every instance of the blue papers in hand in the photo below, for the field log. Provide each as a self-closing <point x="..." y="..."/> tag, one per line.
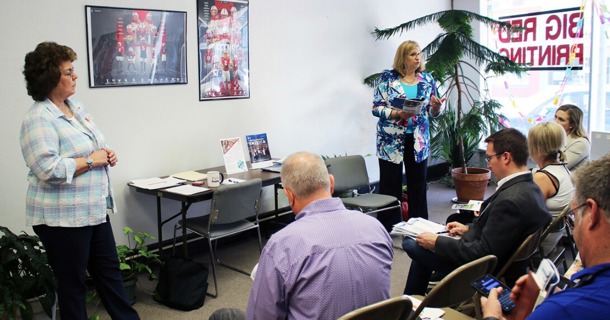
<point x="408" y="105"/>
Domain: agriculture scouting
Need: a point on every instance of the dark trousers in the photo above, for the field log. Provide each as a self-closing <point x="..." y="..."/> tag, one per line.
<point x="423" y="262"/>
<point x="390" y="180"/>
<point x="73" y="251"/>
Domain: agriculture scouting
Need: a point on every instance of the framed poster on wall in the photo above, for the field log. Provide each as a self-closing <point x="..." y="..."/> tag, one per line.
<point x="224" y="71"/>
<point x="134" y="47"/>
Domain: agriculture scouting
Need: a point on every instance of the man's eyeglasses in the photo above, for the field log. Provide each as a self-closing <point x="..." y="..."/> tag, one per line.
<point x="571" y="213"/>
<point x="488" y="157"/>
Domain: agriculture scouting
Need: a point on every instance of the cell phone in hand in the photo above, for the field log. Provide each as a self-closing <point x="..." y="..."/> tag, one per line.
<point x="484" y="285"/>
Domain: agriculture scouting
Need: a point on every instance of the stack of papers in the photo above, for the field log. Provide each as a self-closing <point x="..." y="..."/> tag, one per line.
<point x="156" y="183"/>
<point x="415" y="226"/>
<point x="190" y="175"/>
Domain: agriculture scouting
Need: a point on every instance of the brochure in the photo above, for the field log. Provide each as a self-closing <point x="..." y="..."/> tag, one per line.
<point x="233" y="155"/>
<point x="408" y="105"/>
<point x="258" y="148"/>
<point x="472" y="205"/>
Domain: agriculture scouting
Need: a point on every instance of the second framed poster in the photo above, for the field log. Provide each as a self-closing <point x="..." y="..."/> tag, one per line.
<point x="224" y="70"/>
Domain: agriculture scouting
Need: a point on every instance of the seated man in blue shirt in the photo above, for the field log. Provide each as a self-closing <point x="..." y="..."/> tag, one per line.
<point x="326" y="263"/>
<point x="588" y="298"/>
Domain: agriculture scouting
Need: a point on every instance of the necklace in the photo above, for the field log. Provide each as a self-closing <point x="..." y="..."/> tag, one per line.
<point x="413" y="81"/>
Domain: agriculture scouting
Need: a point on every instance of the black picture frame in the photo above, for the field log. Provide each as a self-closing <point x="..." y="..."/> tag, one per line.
<point x="135" y="47"/>
<point x="223" y="39"/>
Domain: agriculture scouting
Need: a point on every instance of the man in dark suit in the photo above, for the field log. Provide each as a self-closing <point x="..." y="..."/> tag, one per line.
<point x="516" y="210"/>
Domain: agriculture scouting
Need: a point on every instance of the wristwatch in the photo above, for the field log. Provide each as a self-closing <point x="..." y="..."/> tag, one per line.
<point x="89" y="162"/>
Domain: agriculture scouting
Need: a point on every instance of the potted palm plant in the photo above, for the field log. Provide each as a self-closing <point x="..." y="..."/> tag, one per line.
<point x="452" y="57"/>
<point x="25" y="276"/>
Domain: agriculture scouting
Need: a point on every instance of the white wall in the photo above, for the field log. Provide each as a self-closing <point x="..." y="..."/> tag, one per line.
<point x="307" y="58"/>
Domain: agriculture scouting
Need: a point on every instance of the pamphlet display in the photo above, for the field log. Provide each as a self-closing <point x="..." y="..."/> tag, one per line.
<point x="233" y="155"/>
<point x="258" y="148"/>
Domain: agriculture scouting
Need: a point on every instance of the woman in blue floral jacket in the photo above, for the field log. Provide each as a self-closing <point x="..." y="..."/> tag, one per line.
<point x="401" y="136"/>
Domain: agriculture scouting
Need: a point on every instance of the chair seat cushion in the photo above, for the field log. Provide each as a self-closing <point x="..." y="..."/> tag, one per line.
<point x="200" y="225"/>
<point x="370" y="201"/>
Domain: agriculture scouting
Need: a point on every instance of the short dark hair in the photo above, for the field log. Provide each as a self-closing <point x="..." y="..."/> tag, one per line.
<point x="41" y="69"/>
<point x="512" y="141"/>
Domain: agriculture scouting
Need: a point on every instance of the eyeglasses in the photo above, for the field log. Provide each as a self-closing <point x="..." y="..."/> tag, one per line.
<point x="571" y="213"/>
<point x="488" y="157"/>
<point x="70" y="73"/>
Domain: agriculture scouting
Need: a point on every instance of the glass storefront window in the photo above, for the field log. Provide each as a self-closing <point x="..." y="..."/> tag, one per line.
<point x="550" y="37"/>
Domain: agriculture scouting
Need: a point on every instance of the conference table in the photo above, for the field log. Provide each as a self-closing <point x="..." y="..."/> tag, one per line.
<point x="268" y="179"/>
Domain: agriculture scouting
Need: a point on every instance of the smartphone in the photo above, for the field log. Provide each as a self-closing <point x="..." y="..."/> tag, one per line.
<point x="484" y="284"/>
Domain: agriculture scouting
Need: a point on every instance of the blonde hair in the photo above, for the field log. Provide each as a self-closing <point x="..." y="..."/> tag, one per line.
<point x="548" y="140"/>
<point x="399" y="59"/>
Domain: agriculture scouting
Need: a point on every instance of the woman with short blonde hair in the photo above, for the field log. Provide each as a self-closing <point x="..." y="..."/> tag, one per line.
<point x="546" y="142"/>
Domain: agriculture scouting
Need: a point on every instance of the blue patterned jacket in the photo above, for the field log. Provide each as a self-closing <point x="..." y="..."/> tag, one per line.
<point x="391" y="132"/>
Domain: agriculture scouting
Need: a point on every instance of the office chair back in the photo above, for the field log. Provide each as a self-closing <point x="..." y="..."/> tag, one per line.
<point x="397" y="308"/>
<point x="235" y="202"/>
<point x="350" y="173"/>
<point x="456" y="287"/>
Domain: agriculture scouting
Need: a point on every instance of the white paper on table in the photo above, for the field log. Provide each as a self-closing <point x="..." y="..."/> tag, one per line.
<point x="187" y="189"/>
<point x="156" y="183"/>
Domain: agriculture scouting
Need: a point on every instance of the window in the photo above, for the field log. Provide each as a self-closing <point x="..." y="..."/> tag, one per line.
<point x="550" y="40"/>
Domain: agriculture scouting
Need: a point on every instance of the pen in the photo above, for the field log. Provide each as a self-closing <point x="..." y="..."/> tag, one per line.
<point x="441" y="232"/>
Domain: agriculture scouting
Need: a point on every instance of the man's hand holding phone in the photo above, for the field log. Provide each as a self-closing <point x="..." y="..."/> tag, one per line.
<point x="487" y="285"/>
<point x="491" y="305"/>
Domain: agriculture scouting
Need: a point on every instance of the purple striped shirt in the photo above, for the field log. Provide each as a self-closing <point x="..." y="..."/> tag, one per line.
<point x="327" y="263"/>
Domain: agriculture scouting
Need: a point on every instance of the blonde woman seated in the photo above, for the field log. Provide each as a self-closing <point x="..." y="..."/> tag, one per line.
<point x="578" y="146"/>
<point x="546" y="140"/>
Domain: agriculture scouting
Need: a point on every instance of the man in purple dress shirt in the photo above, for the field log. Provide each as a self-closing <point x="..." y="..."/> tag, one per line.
<point x="326" y="263"/>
